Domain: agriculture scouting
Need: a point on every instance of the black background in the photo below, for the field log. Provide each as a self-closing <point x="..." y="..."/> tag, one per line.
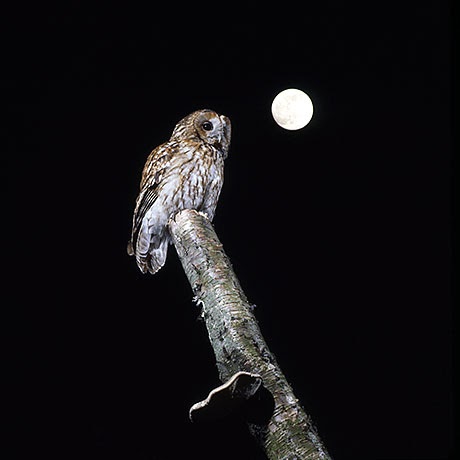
<point x="339" y="232"/>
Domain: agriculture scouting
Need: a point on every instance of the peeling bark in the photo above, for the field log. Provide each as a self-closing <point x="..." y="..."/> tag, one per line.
<point x="287" y="433"/>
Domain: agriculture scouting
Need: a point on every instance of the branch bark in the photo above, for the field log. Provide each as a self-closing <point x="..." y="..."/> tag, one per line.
<point x="287" y="432"/>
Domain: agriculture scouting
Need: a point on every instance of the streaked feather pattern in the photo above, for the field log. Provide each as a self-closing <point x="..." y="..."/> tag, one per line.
<point x="186" y="172"/>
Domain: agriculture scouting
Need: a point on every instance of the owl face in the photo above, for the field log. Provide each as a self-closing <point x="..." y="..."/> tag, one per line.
<point x="209" y="126"/>
<point x="212" y="128"/>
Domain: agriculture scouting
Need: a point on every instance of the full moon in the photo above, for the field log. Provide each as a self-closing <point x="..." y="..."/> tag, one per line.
<point x="292" y="109"/>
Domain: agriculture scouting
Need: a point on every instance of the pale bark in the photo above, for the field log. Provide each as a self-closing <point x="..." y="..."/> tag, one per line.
<point x="287" y="432"/>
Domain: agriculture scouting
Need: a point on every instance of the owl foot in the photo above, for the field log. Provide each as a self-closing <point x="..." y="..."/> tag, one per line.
<point x="204" y="214"/>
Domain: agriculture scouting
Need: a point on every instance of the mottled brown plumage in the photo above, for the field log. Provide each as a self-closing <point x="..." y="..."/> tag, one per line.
<point x="186" y="172"/>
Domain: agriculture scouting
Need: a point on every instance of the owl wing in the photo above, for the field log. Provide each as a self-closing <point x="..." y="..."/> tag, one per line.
<point x="146" y="199"/>
<point x="155" y="167"/>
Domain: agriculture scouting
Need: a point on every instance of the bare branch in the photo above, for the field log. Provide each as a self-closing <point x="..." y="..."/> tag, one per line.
<point x="287" y="432"/>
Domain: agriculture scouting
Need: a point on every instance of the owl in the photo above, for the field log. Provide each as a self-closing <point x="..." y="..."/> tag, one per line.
<point x="186" y="172"/>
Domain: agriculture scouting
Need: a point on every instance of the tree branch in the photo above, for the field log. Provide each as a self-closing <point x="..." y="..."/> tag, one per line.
<point x="287" y="431"/>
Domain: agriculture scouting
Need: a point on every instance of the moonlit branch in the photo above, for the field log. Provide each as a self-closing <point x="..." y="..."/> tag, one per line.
<point x="278" y="422"/>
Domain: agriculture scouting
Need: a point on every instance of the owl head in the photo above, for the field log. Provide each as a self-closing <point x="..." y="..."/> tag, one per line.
<point x="208" y="126"/>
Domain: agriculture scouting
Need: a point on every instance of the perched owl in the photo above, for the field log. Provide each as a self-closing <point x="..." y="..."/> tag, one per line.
<point x="185" y="172"/>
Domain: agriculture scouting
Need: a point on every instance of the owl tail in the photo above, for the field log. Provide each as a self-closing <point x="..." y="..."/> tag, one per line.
<point x="156" y="258"/>
<point x="149" y="259"/>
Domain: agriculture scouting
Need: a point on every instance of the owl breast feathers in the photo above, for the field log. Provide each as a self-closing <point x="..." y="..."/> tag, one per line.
<point x="186" y="172"/>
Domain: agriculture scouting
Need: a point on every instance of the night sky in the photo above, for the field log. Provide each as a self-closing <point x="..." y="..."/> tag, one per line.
<point x="339" y="233"/>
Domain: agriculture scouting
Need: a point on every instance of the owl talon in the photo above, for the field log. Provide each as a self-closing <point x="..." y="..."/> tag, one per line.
<point x="204" y="214"/>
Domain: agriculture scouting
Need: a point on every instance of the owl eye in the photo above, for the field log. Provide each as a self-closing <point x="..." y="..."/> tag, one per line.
<point x="207" y="126"/>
